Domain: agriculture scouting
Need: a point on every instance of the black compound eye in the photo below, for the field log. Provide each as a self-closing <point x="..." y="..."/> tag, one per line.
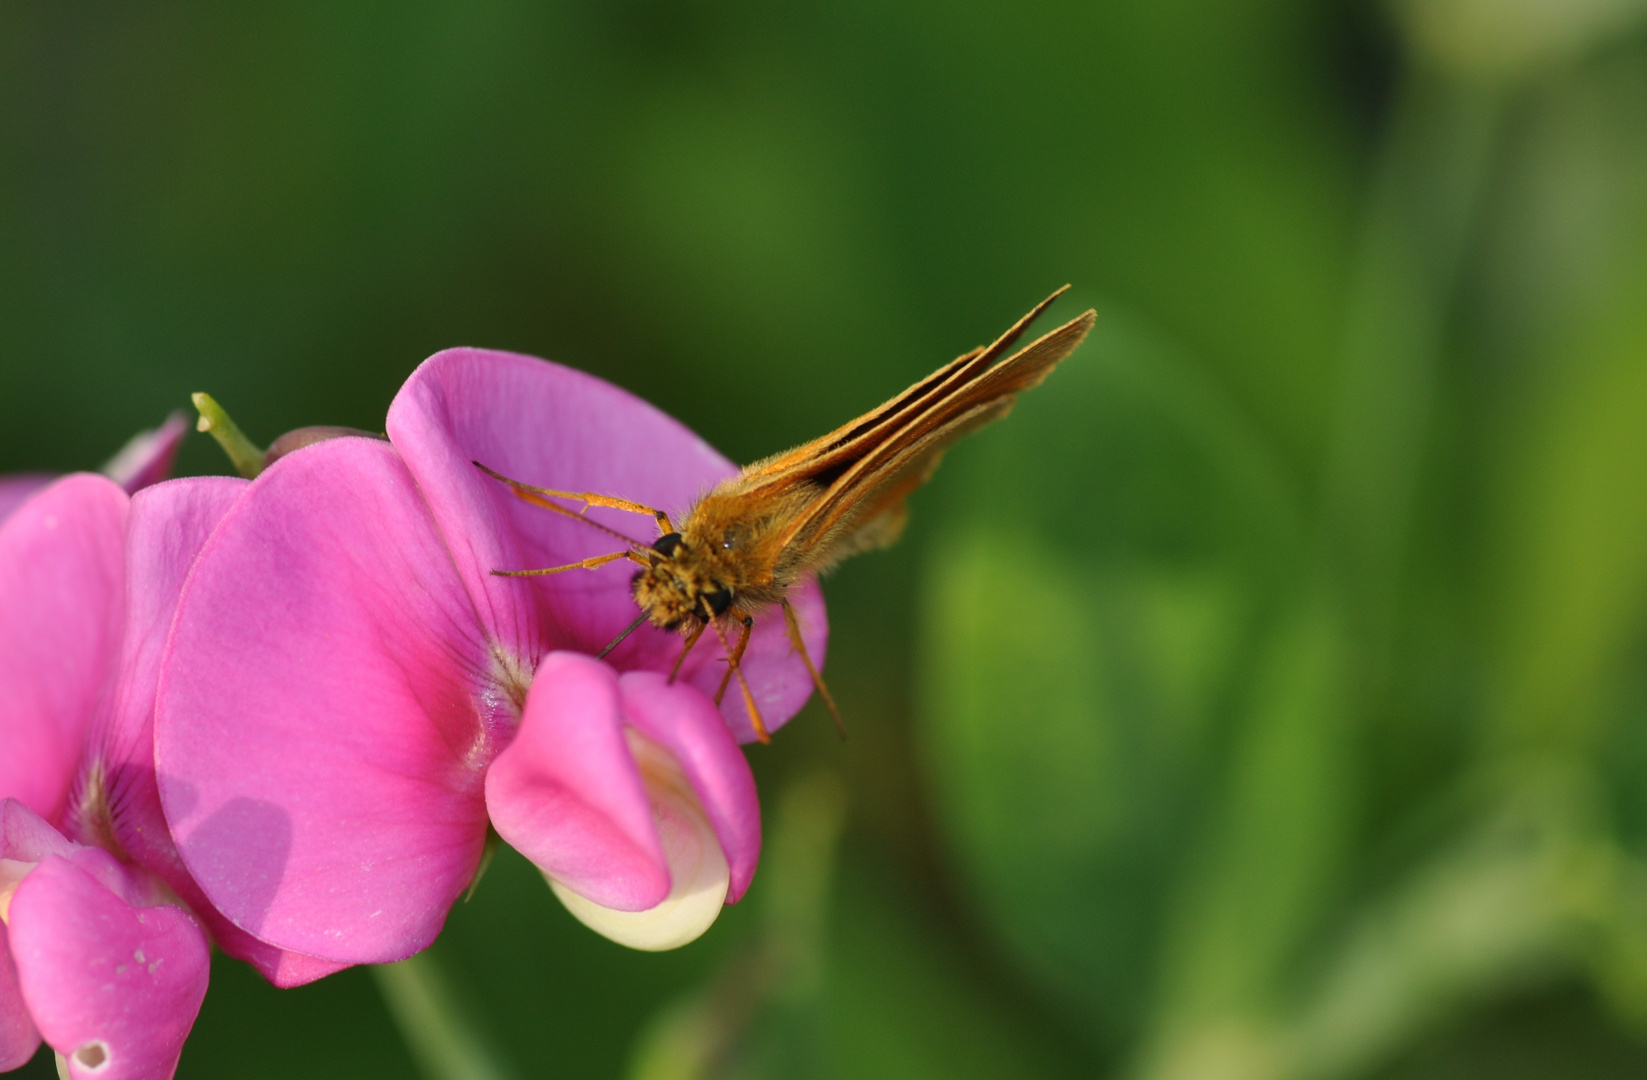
<point x="667" y="543"/>
<point x="719" y="600"/>
<point x="729" y="540"/>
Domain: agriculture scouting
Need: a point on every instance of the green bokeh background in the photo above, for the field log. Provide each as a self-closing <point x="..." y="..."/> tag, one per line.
<point x="1267" y="698"/>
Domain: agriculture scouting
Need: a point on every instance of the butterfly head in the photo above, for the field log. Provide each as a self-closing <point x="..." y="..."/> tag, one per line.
<point x="680" y="586"/>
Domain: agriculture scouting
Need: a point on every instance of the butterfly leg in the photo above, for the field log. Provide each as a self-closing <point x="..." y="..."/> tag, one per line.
<point x="743" y="685"/>
<point x="692" y="637"/>
<point x="799" y="644"/>
<point x="587" y="564"/>
<point x="736" y="658"/>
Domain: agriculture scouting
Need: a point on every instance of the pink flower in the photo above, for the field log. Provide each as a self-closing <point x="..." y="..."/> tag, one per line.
<point x="145" y="459"/>
<point x="350" y="694"/>
<point x="103" y="955"/>
<point x="16" y="488"/>
<point x="147" y="456"/>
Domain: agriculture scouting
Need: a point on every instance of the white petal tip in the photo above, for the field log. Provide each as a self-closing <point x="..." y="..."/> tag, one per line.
<point x="698" y="874"/>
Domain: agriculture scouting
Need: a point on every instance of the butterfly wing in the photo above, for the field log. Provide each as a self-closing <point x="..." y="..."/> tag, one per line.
<point x="823" y="460"/>
<point x="868" y="492"/>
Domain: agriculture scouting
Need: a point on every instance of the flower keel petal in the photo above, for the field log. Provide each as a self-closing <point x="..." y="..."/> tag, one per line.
<point x="698" y="872"/>
<point x="568" y="795"/>
<point x="114" y="988"/>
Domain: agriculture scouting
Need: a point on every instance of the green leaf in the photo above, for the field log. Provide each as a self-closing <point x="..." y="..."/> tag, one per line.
<point x="1569" y="537"/>
<point x="1272" y="850"/>
<point x="1085" y="628"/>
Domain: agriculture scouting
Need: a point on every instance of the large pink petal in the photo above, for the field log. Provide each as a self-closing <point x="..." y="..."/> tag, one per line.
<point x="555" y="427"/>
<point x="113" y="987"/>
<point x="684" y="722"/>
<point x="115" y="794"/>
<point x="18" y="1037"/>
<point x="327" y="708"/>
<point x="147" y="457"/>
<point x="16" y="488"/>
<point x="60" y="601"/>
<point x="567" y="794"/>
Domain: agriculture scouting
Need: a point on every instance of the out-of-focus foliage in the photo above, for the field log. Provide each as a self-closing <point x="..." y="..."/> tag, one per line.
<point x="1266" y="698"/>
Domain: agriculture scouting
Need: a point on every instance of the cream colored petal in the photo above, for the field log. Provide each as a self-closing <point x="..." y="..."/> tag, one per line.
<point x="698" y="870"/>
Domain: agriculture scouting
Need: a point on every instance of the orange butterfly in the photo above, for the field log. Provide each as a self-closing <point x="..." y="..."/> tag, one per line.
<point x="754" y="535"/>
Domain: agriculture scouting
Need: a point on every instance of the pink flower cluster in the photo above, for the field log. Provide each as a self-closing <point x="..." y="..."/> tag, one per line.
<point x="283" y="716"/>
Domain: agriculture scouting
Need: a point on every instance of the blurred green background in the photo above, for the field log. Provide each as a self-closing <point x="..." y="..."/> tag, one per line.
<point x="1267" y="698"/>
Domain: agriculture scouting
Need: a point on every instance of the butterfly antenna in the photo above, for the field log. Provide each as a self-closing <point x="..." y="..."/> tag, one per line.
<point x="615" y="642"/>
<point x="526" y="493"/>
<point x="591" y="563"/>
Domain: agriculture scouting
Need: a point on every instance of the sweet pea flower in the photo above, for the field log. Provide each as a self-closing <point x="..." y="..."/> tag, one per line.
<point x="145" y="459"/>
<point x="351" y="696"/>
<point x="104" y="947"/>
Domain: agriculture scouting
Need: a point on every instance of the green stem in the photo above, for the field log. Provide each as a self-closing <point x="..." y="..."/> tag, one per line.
<point x="245" y="455"/>
<point x="441" y="1037"/>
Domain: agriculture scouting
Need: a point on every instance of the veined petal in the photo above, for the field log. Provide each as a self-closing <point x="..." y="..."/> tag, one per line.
<point x="568" y="795"/>
<point x="61" y="579"/>
<point x="686" y="725"/>
<point x="111" y="986"/>
<point x="326" y="710"/>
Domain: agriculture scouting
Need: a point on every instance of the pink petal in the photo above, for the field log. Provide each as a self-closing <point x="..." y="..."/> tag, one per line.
<point x="567" y="795"/>
<point x="147" y="457"/>
<point x="61" y="580"/>
<point x="18" y="1038"/>
<point x="115" y="793"/>
<point x="326" y="710"/>
<point x="26" y="837"/>
<point x="113" y="987"/>
<point x="698" y="875"/>
<point x="16" y="488"/>
<point x="554" y="427"/>
<point x="166" y="528"/>
<point x="685" y="723"/>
